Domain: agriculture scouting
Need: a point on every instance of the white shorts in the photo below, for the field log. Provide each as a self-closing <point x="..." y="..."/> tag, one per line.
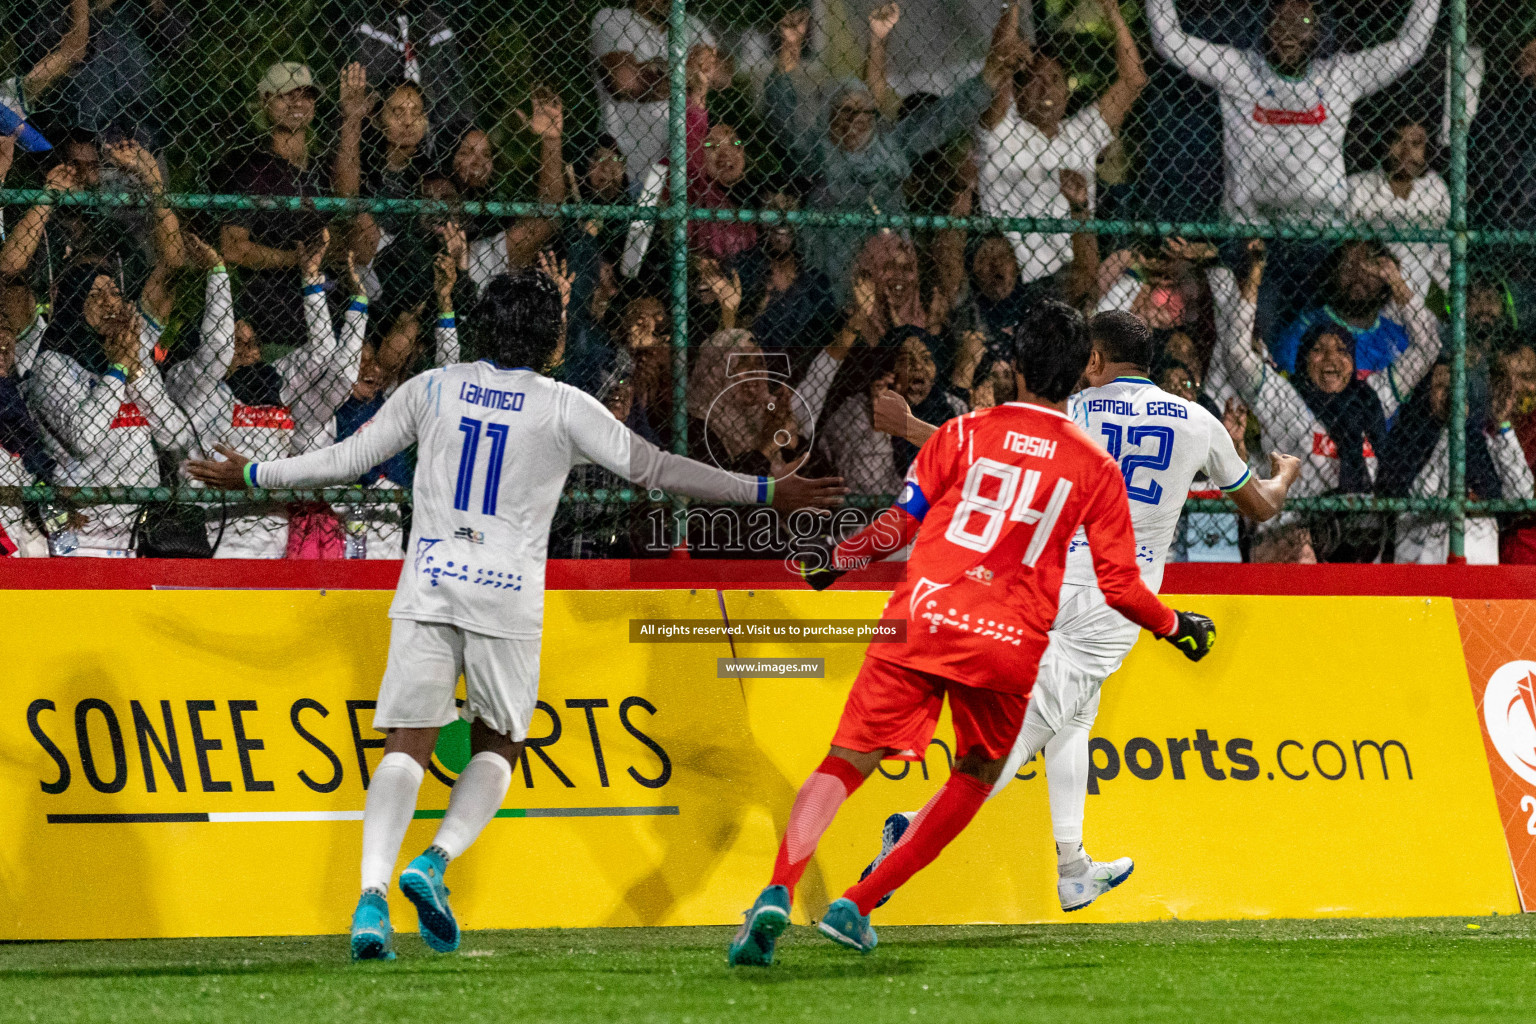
<point x="501" y="678"/>
<point x="1088" y="644"/>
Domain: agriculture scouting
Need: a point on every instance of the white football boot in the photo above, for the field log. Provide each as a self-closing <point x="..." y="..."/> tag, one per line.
<point x="1097" y="878"/>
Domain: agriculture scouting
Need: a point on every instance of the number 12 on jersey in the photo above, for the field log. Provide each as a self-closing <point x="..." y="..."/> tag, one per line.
<point x="496" y="433"/>
<point x="1013" y="501"/>
<point x="1155" y="462"/>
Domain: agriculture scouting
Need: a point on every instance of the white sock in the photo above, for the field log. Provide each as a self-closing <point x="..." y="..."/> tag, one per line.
<point x="476" y="797"/>
<point x="1066" y="777"/>
<point x="387" y="814"/>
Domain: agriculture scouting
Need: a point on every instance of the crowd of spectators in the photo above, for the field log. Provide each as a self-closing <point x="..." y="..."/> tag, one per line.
<point x="133" y="335"/>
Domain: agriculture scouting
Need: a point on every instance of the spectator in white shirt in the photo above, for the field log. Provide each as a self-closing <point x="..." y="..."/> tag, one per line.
<point x="1324" y="414"/>
<point x="1405" y="193"/>
<point x="633" y="83"/>
<point x="1415" y="462"/>
<point x="1283" y="112"/>
<point x="97" y="390"/>
<point x="1027" y="142"/>
<point x="234" y="397"/>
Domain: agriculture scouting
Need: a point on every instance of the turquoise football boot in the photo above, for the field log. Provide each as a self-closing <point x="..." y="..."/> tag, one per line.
<point x="422" y="883"/>
<point x="843" y="924"/>
<point x="769" y="916"/>
<point x="370" y="929"/>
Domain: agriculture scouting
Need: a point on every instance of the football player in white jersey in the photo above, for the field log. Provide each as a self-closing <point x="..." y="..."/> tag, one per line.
<point x="495" y="441"/>
<point x="1162" y="443"/>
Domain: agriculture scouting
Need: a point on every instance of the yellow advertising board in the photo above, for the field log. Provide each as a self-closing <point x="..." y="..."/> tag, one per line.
<point x="193" y="763"/>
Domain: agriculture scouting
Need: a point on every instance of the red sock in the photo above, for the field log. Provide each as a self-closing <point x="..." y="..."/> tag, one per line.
<point x="946" y="817"/>
<point x="833" y="781"/>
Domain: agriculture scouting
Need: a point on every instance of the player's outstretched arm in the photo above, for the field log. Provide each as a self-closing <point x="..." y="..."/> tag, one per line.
<point x="1263" y="499"/>
<point x="598" y="437"/>
<point x="889" y="532"/>
<point x="388" y="433"/>
<point x="893" y="416"/>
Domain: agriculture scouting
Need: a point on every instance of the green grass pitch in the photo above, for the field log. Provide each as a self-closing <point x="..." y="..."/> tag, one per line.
<point x="1453" y="969"/>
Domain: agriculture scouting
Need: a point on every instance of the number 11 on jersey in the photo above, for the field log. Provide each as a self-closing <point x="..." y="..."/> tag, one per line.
<point x="496" y="433"/>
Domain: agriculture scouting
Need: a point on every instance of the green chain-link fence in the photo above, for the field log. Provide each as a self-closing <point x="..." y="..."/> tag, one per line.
<point x="775" y="219"/>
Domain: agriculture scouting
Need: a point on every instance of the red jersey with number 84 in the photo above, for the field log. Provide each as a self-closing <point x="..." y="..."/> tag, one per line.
<point x="998" y="494"/>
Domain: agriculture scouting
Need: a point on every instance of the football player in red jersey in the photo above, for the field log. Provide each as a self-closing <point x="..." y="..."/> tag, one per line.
<point x="992" y="501"/>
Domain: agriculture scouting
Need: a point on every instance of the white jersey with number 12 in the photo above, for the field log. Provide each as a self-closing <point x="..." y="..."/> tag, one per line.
<point x="1162" y="442"/>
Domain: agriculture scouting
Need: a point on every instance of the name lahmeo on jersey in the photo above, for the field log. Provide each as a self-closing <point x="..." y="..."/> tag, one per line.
<point x="494" y="447"/>
<point x="1161" y="443"/>
<point x="995" y="497"/>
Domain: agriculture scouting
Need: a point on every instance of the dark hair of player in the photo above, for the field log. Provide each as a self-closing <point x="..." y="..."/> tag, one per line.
<point x="1051" y="347"/>
<point x="517" y="320"/>
<point x="1122" y="337"/>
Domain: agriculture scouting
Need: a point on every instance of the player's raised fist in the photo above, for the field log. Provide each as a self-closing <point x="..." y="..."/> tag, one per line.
<point x="1195" y="636"/>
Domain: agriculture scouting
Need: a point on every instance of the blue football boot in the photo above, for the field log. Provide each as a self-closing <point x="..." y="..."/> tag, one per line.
<point x="769" y="916"/>
<point x="422" y="883"/>
<point x="370" y="929"/>
<point x="843" y="924"/>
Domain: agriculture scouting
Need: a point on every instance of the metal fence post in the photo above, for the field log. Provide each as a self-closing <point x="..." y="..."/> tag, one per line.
<point x="677" y="213"/>
<point x="1457" y="490"/>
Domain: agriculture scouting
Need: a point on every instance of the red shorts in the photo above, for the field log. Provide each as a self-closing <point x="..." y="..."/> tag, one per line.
<point x="896" y="708"/>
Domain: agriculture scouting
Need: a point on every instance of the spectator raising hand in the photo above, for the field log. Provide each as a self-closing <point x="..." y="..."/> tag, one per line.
<point x="792" y="29"/>
<point x="724" y="288"/>
<point x="140" y="164"/>
<point x="629" y="46"/>
<point x="445" y="274"/>
<point x="7" y="154"/>
<point x="559" y="273"/>
<point x="545" y="117"/>
<point x="1284" y="112"/>
<point x="1038" y="162"/>
<point x="310" y="257"/>
<point x="882" y="20"/>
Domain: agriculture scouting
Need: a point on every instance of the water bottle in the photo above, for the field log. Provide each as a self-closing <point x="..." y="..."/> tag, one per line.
<point x="355" y="529"/>
<point x="61" y="539"/>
